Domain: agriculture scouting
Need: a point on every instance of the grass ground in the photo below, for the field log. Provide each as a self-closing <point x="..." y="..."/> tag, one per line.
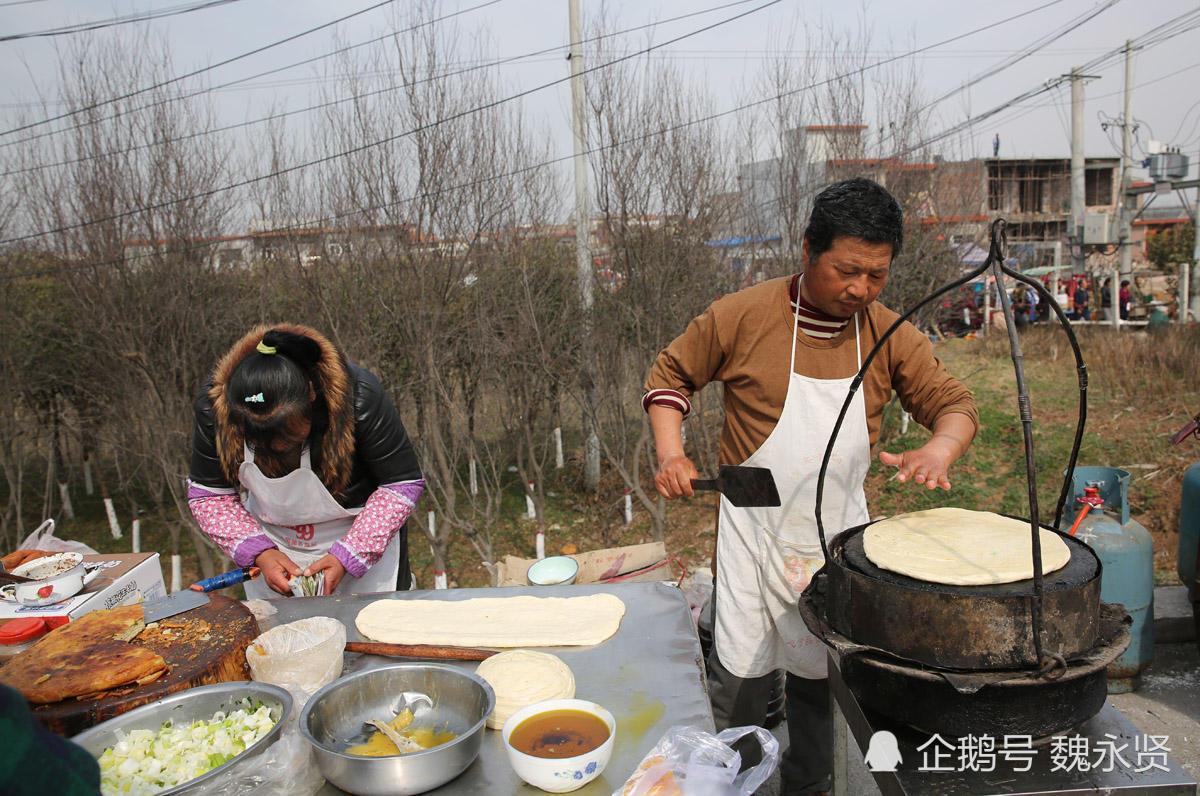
<point x="1141" y="390"/>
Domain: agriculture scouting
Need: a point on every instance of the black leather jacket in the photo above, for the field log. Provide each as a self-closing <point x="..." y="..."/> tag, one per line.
<point x="383" y="453"/>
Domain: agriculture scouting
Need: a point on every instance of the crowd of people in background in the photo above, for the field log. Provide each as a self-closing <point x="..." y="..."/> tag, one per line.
<point x="1078" y="295"/>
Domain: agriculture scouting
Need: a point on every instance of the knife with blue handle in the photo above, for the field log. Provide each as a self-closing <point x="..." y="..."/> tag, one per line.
<point x="226" y="579"/>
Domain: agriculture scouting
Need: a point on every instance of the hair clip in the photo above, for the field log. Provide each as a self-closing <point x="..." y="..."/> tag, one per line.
<point x="263" y="348"/>
<point x="255" y="399"/>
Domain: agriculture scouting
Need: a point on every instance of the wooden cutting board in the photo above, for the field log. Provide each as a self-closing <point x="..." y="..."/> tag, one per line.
<point x="203" y="646"/>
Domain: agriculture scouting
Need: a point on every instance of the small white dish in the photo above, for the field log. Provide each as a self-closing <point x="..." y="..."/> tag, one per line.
<point x="565" y="774"/>
<point x="553" y="571"/>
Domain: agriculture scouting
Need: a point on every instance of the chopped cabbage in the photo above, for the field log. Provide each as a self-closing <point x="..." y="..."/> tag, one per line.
<point x="144" y="762"/>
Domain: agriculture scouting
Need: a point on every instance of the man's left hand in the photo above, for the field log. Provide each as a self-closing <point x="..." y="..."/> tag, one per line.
<point x="332" y="568"/>
<point x="928" y="464"/>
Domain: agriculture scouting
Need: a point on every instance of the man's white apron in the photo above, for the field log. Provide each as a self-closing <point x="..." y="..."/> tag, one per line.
<point x="767" y="556"/>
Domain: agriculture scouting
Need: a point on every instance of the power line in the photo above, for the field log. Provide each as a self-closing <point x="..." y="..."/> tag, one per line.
<point x="197" y="92"/>
<point x="1158" y="35"/>
<point x="202" y="70"/>
<point x="1183" y="121"/>
<point x="128" y="19"/>
<point x="1021" y="55"/>
<point x="594" y="150"/>
<point x="385" y="140"/>
<point x="356" y="97"/>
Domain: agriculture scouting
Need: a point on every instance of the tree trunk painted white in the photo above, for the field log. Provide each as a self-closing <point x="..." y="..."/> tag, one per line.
<point x="113" y="525"/>
<point x="530" y="508"/>
<point x="558" y="448"/>
<point x="628" y="507"/>
<point x="89" y="485"/>
<point x="474" y="479"/>
<point x="135" y="531"/>
<point x="439" y="575"/>
<point x="176" y="573"/>
<point x="64" y="494"/>
<point x="539" y="545"/>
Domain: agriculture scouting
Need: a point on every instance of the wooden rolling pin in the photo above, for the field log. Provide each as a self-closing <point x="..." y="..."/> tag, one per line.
<point x="426" y="651"/>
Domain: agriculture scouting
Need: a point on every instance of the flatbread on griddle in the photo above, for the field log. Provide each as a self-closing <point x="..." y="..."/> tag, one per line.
<point x="82" y="657"/>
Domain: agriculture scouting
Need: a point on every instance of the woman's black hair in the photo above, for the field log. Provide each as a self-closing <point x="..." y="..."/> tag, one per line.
<point x="270" y="393"/>
<point x="855" y="208"/>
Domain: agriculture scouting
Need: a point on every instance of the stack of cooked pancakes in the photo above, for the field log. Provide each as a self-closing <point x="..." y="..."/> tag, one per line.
<point x="83" y="658"/>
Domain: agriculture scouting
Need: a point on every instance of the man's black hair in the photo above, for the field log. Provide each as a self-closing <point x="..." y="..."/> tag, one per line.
<point x="855" y="208"/>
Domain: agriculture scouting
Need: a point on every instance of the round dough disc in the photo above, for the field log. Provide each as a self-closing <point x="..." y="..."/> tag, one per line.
<point x="960" y="547"/>
<point x="522" y="677"/>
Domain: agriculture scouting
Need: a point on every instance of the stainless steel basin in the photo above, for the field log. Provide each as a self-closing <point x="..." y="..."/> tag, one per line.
<point x="187" y="706"/>
<point x="333" y="719"/>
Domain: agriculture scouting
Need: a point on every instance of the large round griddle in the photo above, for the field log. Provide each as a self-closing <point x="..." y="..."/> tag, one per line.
<point x="1082" y="568"/>
<point x="961" y="627"/>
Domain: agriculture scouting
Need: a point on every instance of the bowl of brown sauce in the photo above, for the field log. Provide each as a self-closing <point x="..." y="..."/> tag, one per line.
<point x="559" y="745"/>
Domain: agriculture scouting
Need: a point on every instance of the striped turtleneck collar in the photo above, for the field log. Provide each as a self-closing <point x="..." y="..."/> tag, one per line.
<point x="811" y="320"/>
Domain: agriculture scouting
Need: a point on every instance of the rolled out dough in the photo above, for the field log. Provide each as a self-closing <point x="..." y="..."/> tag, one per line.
<point x="960" y="547"/>
<point x="494" y="621"/>
<point x="522" y="677"/>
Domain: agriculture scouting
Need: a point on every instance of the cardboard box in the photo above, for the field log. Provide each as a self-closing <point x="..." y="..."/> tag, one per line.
<point x="632" y="564"/>
<point x="126" y="578"/>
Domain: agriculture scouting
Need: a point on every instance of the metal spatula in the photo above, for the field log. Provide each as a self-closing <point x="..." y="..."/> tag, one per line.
<point x="744" y="487"/>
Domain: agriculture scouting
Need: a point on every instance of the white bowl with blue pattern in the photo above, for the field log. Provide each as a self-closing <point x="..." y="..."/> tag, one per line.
<point x="560" y="775"/>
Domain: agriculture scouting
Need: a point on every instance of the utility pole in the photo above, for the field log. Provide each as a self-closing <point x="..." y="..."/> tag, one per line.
<point x="1125" y="238"/>
<point x="583" y="254"/>
<point x="1193" y="302"/>
<point x="1077" y="172"/>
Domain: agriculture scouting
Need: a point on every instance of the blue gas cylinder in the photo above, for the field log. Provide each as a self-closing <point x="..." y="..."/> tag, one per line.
<point x="1189" y="526"/>
<point x="1126" y="552"/>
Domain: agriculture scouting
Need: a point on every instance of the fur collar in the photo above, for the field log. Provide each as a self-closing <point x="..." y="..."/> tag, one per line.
<point x="333" y="460"/>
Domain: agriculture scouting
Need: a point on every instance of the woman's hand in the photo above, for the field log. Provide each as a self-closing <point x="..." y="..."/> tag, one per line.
<point x="332" y="568"/>
<point x="277" y="570"/>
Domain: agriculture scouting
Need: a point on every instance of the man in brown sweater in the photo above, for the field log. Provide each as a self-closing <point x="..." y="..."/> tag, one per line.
<point x="786" y="351"/>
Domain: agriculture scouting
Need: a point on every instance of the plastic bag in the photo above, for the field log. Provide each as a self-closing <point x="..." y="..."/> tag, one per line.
<point x="690" y="762"/>
<point x="43" y="538"/>
<point x="262" y="610"/>
<point x="697" y="589"/>
<point x="301" y="656"/>
<point x="285" y="768"/>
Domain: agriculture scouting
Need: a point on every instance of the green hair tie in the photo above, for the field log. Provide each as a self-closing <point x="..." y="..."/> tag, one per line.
<point x="263" y="348"/>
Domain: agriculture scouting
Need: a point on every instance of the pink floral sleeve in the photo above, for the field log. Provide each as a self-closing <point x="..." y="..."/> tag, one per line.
<point x="385" y="512"/>
<point x="222" y="518"/>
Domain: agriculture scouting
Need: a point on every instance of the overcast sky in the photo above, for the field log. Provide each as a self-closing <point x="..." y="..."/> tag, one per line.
<point x="1166" y="99"/>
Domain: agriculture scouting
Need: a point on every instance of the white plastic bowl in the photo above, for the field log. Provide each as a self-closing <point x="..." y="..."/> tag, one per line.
<point x="553" y="571"/>
<point x="565" y="774"/>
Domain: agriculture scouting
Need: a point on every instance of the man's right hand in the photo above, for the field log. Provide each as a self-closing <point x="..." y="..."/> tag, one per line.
<point x="277" y="570"/>
<point x="674" y="477"/>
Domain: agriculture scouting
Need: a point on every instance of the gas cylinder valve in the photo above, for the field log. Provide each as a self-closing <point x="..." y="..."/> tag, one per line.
<point x="1091" y="500"/>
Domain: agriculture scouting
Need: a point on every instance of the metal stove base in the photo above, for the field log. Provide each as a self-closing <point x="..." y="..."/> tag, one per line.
<point x="1040" y="780"/>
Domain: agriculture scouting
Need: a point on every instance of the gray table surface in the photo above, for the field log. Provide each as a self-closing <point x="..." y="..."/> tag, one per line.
<point x="1040" y="779"/>
<point x="653" y="658"/>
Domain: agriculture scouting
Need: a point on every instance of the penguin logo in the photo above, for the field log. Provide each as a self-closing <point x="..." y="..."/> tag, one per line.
<point x="883" y="753"/>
